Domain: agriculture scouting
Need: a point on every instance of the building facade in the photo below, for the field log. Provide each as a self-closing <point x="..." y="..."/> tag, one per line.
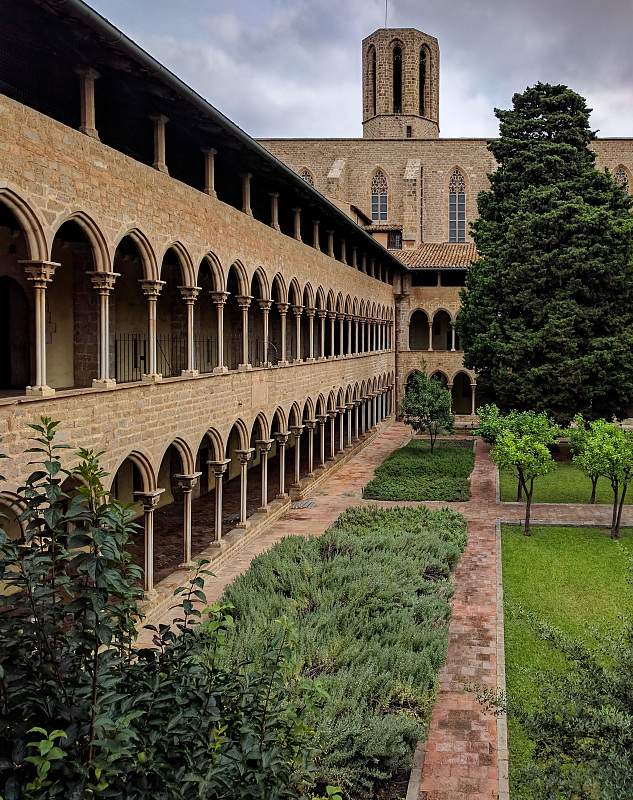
<point x="417" y="193"/>
<point x="173" y="295"/>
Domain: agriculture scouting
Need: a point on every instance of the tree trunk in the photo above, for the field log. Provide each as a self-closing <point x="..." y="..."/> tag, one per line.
<point x="614" y="515"/>
<point x="618" y="521"/>
<point x="528" y="508"/>
<point x="594" y="484"/>
<point x="432" y="440"/>
<point x="519" y="491"/>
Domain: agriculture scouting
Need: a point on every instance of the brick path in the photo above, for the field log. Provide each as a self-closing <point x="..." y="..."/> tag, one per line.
<point x="461" y="759"/>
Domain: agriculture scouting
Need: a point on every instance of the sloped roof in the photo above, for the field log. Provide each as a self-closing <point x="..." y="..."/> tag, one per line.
<point x="435" y="255"/>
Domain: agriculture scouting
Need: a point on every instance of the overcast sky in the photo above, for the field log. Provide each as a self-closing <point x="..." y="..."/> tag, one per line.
<point x="292" y="67"/>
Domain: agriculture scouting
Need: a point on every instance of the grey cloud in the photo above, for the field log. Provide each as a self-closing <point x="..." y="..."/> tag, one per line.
<point x="292" y="67"/>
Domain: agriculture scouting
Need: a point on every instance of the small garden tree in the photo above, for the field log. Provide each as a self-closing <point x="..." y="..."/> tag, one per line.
<point x="583" y="458"/>
<point x="427" y="406"/>
<point x="491" y="423"/>
<point x="529" y="457"/>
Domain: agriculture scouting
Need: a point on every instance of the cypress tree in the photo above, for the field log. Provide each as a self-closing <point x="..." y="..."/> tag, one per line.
<point x="547" y="311"/>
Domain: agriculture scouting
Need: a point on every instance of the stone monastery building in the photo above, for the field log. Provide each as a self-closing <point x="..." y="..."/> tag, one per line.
<point x="227" y="320"/>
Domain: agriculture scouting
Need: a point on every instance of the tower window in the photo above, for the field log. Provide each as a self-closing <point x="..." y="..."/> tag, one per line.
<point x="379" y="190"/>
<point x="409" y="131"/>
<point x="307" y="176"/>
<point x="422" y="87"/>
<point x="397" y="80"/>
<point x="457" y="207"/>
<point x="622" y="179"/>
<point x="371" y="67"/>
<point x="394" y="240"/>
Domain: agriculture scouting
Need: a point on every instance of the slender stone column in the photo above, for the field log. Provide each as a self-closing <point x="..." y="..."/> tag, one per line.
<point x="219" y="468"/>
<point x="341" y="428"/>
<point x="355" y="257"/>
<point x="430" y="336"/>
<point x="296" y="432"/>
<point x="332" y="318"/>
<point x="341" y="334"/>
<point x="356" y="420"/>
<point x="452" y="337"/>
<point x="330" y="243"/>
<point x="190" y="295"/>
<point x="40" y="274"/>
<point x="310" y="425"/>
<point x="103" y="282"/>
<point x="343" y="251"/>
<point x="322" y="419"/>
<point x="310" y="312"/>
<point x="356" y="339"/>
<point x="87" y="78"/>
<point x="322" y="315"/>
<point x="332" y="416"/>
<point x="297" y="312"/>
<point x="283" y="311"/>
<point x="363" y="415"/>
<point x="370" y="411"/>
<point x="159" y="120"/>
<point x="473" y="398"/>
<point x="264" y="445"/>
<point x="274" y="210"/>
<point x="244" y="456"/>
<point x="372" y="267"/>
<point x="246" y="193"/>
<point x="209" y="170"/>
<point x="282" y="440"/>
<point x="349" y="407"/>
<point x="297" y="213"/>
<point x="152" y="290"/>
<point x="244" y="302"/>
<point x="219" y="299"/>
<point x="150" y="501"/>
<point x="363" y="263"/>
<point x="265" y="306"/>
<point x="315" y="234"/>
<point x="186" y="484"/>
<point x="363" y="330"/>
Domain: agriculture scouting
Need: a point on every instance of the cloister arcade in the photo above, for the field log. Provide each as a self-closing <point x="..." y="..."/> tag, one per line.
<point x="432" y="331"/>
<point x="462" y="387"/>
<point x="79" y="313"/>
<point x="190" y="501"/>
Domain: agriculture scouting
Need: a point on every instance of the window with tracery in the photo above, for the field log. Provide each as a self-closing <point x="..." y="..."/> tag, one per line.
<point x="372" y="81"/>
<point x="457" y="207"/>
<point x="397" y="80"/>
<point x="379" y="190"/>
<point x="307" y="176"/>
<point x="422" y="81"/>
<point x="622" y="179"/>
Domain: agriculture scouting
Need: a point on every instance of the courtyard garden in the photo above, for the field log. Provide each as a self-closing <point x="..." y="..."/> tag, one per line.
<point x="414" y="472"/>
<point x="574" y="580"/>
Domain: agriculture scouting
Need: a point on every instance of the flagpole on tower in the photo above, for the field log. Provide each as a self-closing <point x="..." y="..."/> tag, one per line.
<point x="386" y="3"/>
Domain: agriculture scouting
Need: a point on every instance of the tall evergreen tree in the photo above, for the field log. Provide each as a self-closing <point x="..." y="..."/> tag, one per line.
<point x="547" y="312"/>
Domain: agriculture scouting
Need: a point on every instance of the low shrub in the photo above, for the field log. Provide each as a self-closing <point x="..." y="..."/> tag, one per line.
<point x="414" y="473"/>
<point x="370" y="602"/>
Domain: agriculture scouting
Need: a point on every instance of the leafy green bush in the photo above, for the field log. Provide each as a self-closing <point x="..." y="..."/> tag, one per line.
<point x="370" y="601"/>
<point x="84" y="714"/>
<point x="414" y="473"/>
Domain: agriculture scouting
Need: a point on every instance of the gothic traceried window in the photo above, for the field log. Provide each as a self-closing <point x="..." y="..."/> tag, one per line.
<point x="457" y="207"/>
<point x="372" y="81"/>
<point x="379" y="197"/>
<point x="397" y="80"/>
<point x="622" y="179"/>
<point x="422" y="81"/>
<point x="307" y="176"/>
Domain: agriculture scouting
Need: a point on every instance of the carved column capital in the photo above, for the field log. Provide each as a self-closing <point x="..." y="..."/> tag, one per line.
<point x="282" y="437"/>
<point x="189" y="293"/>
<point x="151" y="288"/>
<point x="187" y="482"/>
<point x="243" y="300"/>
<point x="219" y="467"/>
<point x="244" y="456"/>
<point x="264" y="445"/>
<point x="149" y="499"/>
<point x="219" y="298"/>
<point x="103" y="281"/>
<point x="40" y="273"/>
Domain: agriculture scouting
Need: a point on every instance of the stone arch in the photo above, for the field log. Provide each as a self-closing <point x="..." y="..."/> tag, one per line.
<point x="146" y="251"/>
<point x="28" y="221"/>
<point x="262" y="279"/>
<point x="307" y="175"/>
<point x="100" y="254"/>
<point x="279" y="415"/>
<point x="340" y="397"/>
<point x="212" y="436"/>
<point x="242" y="433"/>
<point x="441" y="327"/>
<point x="261" y="423"/>
<point x="294" y="417"/>
<point x="321" y="405"/>
<point x="331" y="301"/>
<point x="144" y="465"/>
<point x="331" y="401"/>
<point x="320" y="298"/>
<point x="295" y="295"/>
<point x="216" y="272"/>
<point x="184" y="451"/>
<point x="187" y="270"/>
<point x="340" y="303"/>
<point x="308" y="296"/>
<point x="418" y="330"/>
<point x="622" y="176"/>
<point x="238" y="269"/>
<point x="11" y="506"/>
<point x="279" y="287"/>
<point x="461" y="392"/>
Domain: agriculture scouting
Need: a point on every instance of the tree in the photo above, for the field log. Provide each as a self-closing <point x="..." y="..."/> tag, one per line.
<point x="427" y="406"/>
<point x="528" y="457"/>
<point x="547" y="312"/>
<point x="491" y="423"/>
<point x="579" y="435"/>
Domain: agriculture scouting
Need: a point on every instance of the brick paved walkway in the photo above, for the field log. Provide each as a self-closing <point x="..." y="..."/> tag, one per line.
<point x="461" y="759"/>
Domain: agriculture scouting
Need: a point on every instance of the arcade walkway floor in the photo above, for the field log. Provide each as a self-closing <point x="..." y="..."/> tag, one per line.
<point x="464" y="755"/>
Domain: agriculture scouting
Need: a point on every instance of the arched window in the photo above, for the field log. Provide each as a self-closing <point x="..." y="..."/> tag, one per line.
<point x="371" y="79"/>
<point x="622" y="179"/>
<point x="424" y="68"/>
<point x="397" y="79"/>
<point x="379" y="197"/>
<point x="457" y="207"/>
<point x="307" y="176"/>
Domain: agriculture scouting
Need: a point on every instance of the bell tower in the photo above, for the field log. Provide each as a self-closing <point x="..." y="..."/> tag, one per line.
<point x="401" y="85"/>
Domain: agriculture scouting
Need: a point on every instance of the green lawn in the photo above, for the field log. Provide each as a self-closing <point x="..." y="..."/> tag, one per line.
<point x="566" y="484"/>
<point x="573" y="578"/>
<point x="412" y="473"/>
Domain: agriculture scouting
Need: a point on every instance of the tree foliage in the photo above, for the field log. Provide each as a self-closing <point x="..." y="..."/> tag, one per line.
<point x="427" y="406"/>
<point x="547" y="312"/>
<point x="83" y="713"/>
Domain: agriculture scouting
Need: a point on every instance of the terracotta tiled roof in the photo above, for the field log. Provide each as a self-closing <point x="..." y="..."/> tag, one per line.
<point x="432" y="256"/>
<point x="383" y="226"/>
